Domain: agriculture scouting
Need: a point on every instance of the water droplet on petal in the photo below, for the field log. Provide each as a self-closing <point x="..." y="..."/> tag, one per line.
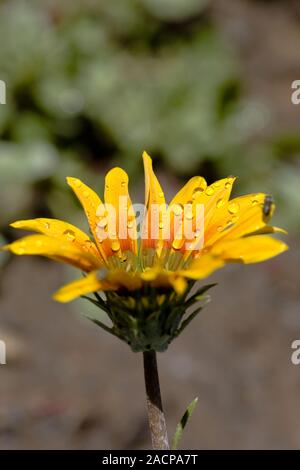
<point x="161" y="225"/>
<point x="177" y="244"/>
<point x="102" y="223"/>
<point x="161" y="194"/>
<point x="130" y="224"/>
<point x="85" y="194"/>
<point x="217" y="184"/>
<point x="115" y="246"/>
<point x="70" y="235"/>
<point x="228" y="224"/>
<point x="123" y="184"/>
<point x="87" y="245"/>
<point x="77" y="183"/>
<point x="233" y="208"/>
<point x="220" y="228"/>
<point x="220" y="203"/>
<point x="47" y="225"/>
<point x="209" y="191"/>
<point x="177" y="209"/>
<point x="254" y="202"/>
<point x="228" y="184"/>
<point x="197" y="192"/>
<point x="234" y="218"/>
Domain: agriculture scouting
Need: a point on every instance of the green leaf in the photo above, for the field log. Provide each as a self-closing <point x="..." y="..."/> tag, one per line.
<point x="182" y="424"/>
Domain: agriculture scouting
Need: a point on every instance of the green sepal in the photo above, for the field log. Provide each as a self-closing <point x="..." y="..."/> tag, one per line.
<point x="149" y="318"/>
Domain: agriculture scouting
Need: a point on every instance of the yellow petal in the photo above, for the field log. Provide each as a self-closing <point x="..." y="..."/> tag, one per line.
<point x="55" y="248"/>
<point x="153" y="227"/>
<point x="102" y="280"/>
<point x="178" y="283"/>
<point x="122" y="279"/>
<point x="183" y="203"/>
<point x="59" y="229"/>
<point x="267" y="229"/>
<point x="239" y="217"/>
<point x="90" y="283"/>
<point x="215" y="195"/>
<point x="203" y="266"/>
<point x="158" y="277"/>
<point x="122" y="220"/>
<point x="251" y="249"/>
<point x="94" y="210"/>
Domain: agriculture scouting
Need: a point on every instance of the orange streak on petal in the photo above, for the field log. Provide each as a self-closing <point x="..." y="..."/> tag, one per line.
<point x="122" y="223"/>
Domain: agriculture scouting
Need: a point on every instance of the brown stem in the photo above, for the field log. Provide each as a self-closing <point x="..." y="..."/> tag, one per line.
<point x="157" y="422"/>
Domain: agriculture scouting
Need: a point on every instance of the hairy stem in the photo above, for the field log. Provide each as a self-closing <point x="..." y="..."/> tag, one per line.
<point x="157" y="422"/>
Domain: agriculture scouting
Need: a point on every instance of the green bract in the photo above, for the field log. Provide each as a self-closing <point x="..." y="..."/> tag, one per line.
<point x="149" y="318"/>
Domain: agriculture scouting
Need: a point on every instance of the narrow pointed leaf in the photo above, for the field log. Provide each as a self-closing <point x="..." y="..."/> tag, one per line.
<point x="182" y="424"/>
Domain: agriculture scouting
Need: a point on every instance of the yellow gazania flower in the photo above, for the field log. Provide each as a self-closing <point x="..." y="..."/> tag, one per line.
<point x="234" y="230"/>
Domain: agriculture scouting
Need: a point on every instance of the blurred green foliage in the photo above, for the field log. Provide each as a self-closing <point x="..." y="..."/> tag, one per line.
<point x="91" y="84"/>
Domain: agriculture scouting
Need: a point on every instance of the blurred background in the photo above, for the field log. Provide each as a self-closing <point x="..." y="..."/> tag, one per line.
<point x="205" y="87"/>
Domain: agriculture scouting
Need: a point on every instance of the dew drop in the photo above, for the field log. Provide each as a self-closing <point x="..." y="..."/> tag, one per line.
<point x="85" y="194"/>
<point x="47" y="225"/>
<point x="254" y="202"/>
<point x="77" y="183"/>
<point x="178" y="209"/>
<point x="217" y="184"/>
<point x="197" y="192"/>
<point x="115" y="246"/>
<point x="209" y="191"/>
<point x="123" y="184"/>
<point x="130" y="224"/>
<point x="102" y="223"/>
<point x="228" y="184"/>
<point x="220" y="228"/>
<point x="70" y="235"/>
<point x="228" y="224"/>
<point x="234" y="218"/>
<point x="220" y="203"/>
<point x="177" y="244"/>
<point x="87" y="245"/>
<point x="233" y="208"/>
<point x="161" y="194"/>
<point x="161" y="225"/>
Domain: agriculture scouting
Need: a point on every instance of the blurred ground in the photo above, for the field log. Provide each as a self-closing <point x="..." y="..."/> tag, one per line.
<point x="266" y="35"/>
<point x="68" y="385"/>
